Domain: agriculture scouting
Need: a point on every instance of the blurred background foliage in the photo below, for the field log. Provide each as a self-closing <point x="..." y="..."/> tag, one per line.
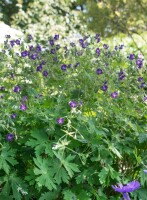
<point x="123" y="18"/>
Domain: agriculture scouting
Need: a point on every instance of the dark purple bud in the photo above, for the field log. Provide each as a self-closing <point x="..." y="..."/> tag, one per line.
<point x="13" y="116"/>
<point x="104" y="87"/>
<point x="51" y="42"/>
<point x="98" y="40"/>
<point x="53" y="51"/>
<point x="60" y="120"/>
<point x="30" y="37"/>
<point x="39" y="68"/>
<point x="38" y="48"/>
<point x="57" y="46"/>
<point x="56" y="37"/>
<point x="84" y="45"/>
<point x="10" y="137"/>
<point x="139" y="63"/>
<point x="121" y="46"/>
<point x="116" y="48"/>
<point x="45" y="73"/>
<point x="99" y="71"/>
<point x="12" y="43"/>
<point x="105" y="46"/>
<point x="97" y="35"/>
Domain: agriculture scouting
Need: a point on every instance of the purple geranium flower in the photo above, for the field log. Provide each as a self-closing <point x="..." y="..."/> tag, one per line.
<point x="39" y="68"/>
<point x="53" y="51"/>
<point x="24" y="53"/>
<point x="99" y="71"/>
<point x="33" y="56"/>
<point x="98" y="51"/>
<point x="124" y="189"/>
<point x="60" y="120"/>
<point x="131" y="57"/>
<point x="10" y="137"/>
<point x="56" y="37"/>
<point x="73" y="104"/>
<point x="23" y="107"/>
<point x="145" y="171"/>
<point x="139" y="63"/>
<point x="140" y="79"/>
<point x="51" y="42"/>
<point x="38" y="48"/>
<point x="63" y="67"/>
<point x="17" y="88"/>
<point x="2" y="88"/>
<point x="105" y="46"/>
<point x="104" y="87"/>
<point x="114" y="95"/>
<point x="13" y="116"/>
<point x="45" y="73"/>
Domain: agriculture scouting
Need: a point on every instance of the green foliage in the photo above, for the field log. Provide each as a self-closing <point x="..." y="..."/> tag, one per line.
<point x="62" y="152"/>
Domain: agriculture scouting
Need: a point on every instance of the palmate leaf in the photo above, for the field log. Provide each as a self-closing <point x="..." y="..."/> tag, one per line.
<point x="7" y="157"/>
<point x="40" y="142"/>
<point x="68" y="165"/>
<point x="45" y="173"/>
<point x="49" y="195"/>
<point x="69" y="195"/>
<point x="15" y="185"/>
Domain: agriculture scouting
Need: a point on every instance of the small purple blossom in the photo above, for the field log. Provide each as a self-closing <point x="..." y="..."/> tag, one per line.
<point x="73" y="104"/>
<point x="139" y="63"/>
<point x="121" y="75"/>
<point x="114" y="95"/>
<point x="60" y="120"/>
<point x="17" y="88"/>
<point x="13" y="116"/>
<point x="97" y="35"/>
<point x="145" y="171"/>
<point x="140" y="79"/>
<point x="72" y="44"/>
<point x="23" y="107"/>
<point x="45" y="73"/>
<point x="12" y="43"/>
<point x="51" y="42"/>
<point x="143" y="85"/>
<point x="39" y="68"/>
<point x="33" y="56"/>
<point x="24" y="98"/>
<point x="56" y="37"/>
<point x="38" y="48"/>
<point x="98" y="51"/>
<point x="52" y="51"/>
<point x="7" y="36"/>
<point x="116" y="48"/>
<point x="105" y="46"/>
<point x="145" y="98"/>
<point x="131" y="57"/>
<point x="104" y="87"/>
<point x="24" y="53"/>
<point x="77" y="64"/>
<point x="98" y="40"/>
<point x="121" y="46"/>
<point x="2" y="88"/>
<point x="63" y="67"/>
<point x="17" y="42"/>
<point x="81" y="41"/>
<point x="10" y="137"/>
<point x="30" y="37"/>
<point x="99" y="71"/>
<point x="84" y="45"/>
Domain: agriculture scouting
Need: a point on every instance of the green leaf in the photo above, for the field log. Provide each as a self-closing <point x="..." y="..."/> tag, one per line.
<point x="49" y="196"/>
<point x="69" y="195"/>
<point x="7" y="157"/>
<point x="66" y="162"/>
<point x="45" y="173"/>
<point x="40" y="142"/>
<point x="103" y="175"/>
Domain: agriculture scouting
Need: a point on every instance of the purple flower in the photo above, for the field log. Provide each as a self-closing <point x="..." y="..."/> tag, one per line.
<point x="38" y="48"/>
<point x="12" y="43"/>
<point x="139" y="63"/>
<point x="24" y="98"/>
<point x="60" y="120"/>
<point x="51" y="42"/>
<point x="121" y="75"/>
<point x="39" y="68"/>
<point x="98" y="51"/>
<point x="104" y="87"/>
<point x="2" y="88"/>
<point x="143" y="85"/>
<point x="114" y="95"/>
<point x="145" y="98"/>
<point x="23" y="107"/>
<point x="33" y="56"/>
<point x="130" y="187"/>
<point x="72" y="44"/>
<point x="84" y="45"/>
<point x="30" y="37"/>
<point x="17" y="42"/>
<point x="63" y="67"/>
<point x="97" y="35"/>
<point x="98" y="40"/>
<point x="105" y="46"/>
<point x="80" y="103"/>
<point x="81" y="41"/>
<point x="73" y="104"/>
<point x="121" y="46"/>
<point x="13" y="116"/>
<point x="53" y="51"/>
<point x="77" y="64"/>
<point x="131" y="57"/>
<point x="56" y="37"/>
<point x="24" y="53"/>
<point x="99" y="71"/>
<point x="140" y="79"/>
<point x="45" y="73"/>
<point x="17" y="88"/>
<point x="145" y="171"/>
<point x="116" y="48"/>
<point x="10" y="137"/>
